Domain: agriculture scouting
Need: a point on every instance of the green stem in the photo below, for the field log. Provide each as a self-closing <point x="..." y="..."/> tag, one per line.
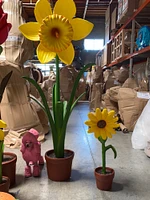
<point x="103" y="158"/>
<point x="57" y="80"/>
<point x="1" y="156"/>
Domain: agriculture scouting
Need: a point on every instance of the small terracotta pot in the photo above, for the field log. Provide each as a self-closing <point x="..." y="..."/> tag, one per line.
<point x="4" y="186"/>
<point x="9" y="167"/>
<point x="59" y="169"/>
<point x="104" y="181"/>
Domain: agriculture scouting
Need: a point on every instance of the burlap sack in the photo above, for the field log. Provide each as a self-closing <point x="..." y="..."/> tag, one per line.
<point x="123" y="75"/>
<point x="113" y="93"/>
<point x="47" y="87"/>
<point x="143" y="84"/>
<point x="111" y="81"/>
<point x="130" y="83"/>
<point x="66" y="82"/>
<point x="110" y="105"/>
<point x="130" y="106"/>
<point x="17" y="49"/>
<point x="16" y="109"/>
<point x="98" y="75"/>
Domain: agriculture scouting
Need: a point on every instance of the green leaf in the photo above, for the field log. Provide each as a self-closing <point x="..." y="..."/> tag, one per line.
<point x="37" y="101"/>
<point x="75" y="102"/>
<point x="74" y="90"/>
<point x="4" y="84"/>
<point x="46" y="107"/>
<point x="64" y="108"/>
<point x="1" y="49"/>
<point x="113" y="149"/>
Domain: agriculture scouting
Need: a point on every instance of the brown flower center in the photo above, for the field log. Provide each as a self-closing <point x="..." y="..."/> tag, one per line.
<point x="55" y="32"/>
<point x="101" y="123"/>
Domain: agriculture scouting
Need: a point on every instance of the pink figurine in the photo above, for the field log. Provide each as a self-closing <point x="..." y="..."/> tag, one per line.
<point x="31" y="153"/>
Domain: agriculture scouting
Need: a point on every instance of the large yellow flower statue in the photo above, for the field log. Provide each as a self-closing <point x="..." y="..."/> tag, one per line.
<point x="2" y="125"/>
<point x="103" y="124"/>
<point x="55" y="29"/>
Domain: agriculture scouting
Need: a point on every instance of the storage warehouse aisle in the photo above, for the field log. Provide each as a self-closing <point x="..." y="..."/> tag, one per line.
<point x="132" y="174"/>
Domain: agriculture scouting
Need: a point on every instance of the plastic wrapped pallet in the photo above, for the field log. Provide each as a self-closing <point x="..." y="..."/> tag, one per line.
<point x="141" y="135"/>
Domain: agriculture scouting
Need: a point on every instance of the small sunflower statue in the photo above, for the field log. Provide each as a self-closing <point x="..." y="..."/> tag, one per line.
<point x="103" y="124"/>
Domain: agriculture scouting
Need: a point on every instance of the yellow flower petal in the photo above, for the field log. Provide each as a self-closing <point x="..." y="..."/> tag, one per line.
<point x="92" y="129"/>
<point x="97" y="133"/>
<point x="67" y="55"/>
<point x="111" y="114"/>
<point x="110" y="130"/>
<point x="109" y="135"/>
<point x="98" y="114"/>
<point x="113" y="125"/>
<point x="1" y="135"/>
<point x="90" y="123"/>
<point x="92" y="117"/>
<point x="42" y="9"/>
<point x="104" y="114"/>
<point x="81" y="28"/>
<point x="44" y="55"/>
<point x="2" y="124"/>
<point x="30" y="30"/>
<point x="103" y="134"/>
<point x="66" y="8"/>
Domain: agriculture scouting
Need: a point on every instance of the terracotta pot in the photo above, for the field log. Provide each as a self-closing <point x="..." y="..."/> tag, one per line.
<point x="4" y="186"/>
<point x="9" y="166"/>
<point x="4" y="196"/>
<point x="59" y="169"/>
<point x="104" y="181"/>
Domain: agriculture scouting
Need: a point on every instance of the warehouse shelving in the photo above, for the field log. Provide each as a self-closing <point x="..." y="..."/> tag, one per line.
<point x="139" y="18"/>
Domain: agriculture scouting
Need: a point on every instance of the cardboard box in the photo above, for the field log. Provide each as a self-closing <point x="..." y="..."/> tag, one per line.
<point x="126" y="8"/>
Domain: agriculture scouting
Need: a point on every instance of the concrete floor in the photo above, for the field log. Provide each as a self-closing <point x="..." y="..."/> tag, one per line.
<point x="132" y="168"/>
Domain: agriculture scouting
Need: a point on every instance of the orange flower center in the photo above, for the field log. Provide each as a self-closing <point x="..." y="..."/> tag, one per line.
<point x="55" y="33"/>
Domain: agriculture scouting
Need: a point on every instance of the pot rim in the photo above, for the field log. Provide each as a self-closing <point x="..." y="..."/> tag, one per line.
<point x="52" y="150"/>
<point x="14" y="157"/>
<point x="5" y="178"/>
<point x="112" y="171"/>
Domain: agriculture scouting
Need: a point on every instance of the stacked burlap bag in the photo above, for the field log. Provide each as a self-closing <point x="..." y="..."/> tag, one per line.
<point x="17" y="49"/>
<point x="68" y="76"/>
<point x="96" y="88"/>
<point x="111" y="98"/>
<point x="16" y="108"/>
<point x="130" y="106"/>
<point x="47" y="87"/>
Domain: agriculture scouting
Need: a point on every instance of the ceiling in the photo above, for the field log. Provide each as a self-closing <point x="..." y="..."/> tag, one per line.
<point x="85" y="8"/>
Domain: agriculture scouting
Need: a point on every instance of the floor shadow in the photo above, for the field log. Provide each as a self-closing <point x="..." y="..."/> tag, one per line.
<point x="116" y="187"/>
<point x="75" y="175"/>
<point x="19" y="179"/>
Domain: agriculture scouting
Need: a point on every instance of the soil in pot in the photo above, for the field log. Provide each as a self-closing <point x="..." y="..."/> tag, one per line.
<point x="104" y="181"/>
<point x="9" y="166"/>
<point x="4" y="186"/>
<point x="59" y="169"/>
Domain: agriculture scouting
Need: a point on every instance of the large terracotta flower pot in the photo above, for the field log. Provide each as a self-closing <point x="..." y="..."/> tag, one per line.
<point x="104" y="181"/>
<point x="4" y="186"/>
<point x="9" y="166"/>
<point x="59" y="169"/>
